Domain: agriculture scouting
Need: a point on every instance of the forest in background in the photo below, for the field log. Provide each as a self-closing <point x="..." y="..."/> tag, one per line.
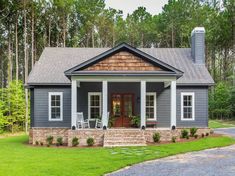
<point x="28" y="26"/>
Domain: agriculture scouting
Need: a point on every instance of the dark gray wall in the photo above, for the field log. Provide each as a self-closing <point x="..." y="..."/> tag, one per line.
<point x="39" y="103"/>
<point x="82" y="93"/>
<point x="201" y="107"/>
<point x="40" y="114"/>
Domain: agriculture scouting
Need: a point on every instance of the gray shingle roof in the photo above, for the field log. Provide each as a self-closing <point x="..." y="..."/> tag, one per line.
<point x="55" y="61"/>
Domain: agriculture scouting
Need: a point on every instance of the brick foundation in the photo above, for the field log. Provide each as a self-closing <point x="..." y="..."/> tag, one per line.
<point x="40" y="134"/>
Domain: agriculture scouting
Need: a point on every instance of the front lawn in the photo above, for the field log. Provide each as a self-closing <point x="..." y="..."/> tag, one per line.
<point x="18" y="158"/>
<point x="221" y="123"/>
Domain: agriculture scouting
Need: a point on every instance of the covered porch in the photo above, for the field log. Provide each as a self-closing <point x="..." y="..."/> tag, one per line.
<point x="124" y="101"/>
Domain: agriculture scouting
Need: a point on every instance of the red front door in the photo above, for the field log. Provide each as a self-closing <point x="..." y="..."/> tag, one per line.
<point x="122" y="109"/>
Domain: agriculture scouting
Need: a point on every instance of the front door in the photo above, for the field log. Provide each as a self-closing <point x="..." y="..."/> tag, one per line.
<point x="122" y="109"/>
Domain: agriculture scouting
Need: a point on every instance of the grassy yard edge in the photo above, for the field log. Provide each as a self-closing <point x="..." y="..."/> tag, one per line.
<point x="99" y="158"/>
<point x="179" y="153"/>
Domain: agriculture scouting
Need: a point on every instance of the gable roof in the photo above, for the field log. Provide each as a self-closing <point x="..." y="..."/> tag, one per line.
<point x="53" y="62"/>
<point x="78" y="69"/>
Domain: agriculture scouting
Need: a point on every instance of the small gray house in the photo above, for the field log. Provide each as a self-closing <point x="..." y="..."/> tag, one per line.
<point x="91" y="89"/>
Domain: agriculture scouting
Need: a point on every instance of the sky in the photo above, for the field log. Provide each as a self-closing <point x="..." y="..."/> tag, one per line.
<point x="128" y="6"/>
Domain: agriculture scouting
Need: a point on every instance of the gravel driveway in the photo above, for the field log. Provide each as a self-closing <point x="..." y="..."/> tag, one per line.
<point x="211" y="162"/>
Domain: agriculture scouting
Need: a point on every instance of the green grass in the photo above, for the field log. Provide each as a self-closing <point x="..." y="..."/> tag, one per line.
<point x="17" y="158"/>
<point x="221" y="123"/>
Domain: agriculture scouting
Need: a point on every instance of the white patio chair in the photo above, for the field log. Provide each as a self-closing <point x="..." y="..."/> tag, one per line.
<point x="81" y="123"/>
<point x="99" y="123"/>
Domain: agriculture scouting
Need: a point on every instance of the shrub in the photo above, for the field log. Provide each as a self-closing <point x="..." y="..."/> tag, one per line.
<point x="156" y="137"/>
<point x="207" y="134"/>
<point x="59" y="141"/>
<point x="75" y="142"/>
<point x="193" y="131"/>
<point x="37" y="143"/>
<point x="90" y="141"/>
<point x="187" y="137"/>
<point x="203" y="135"/>
<point x="184" y="133"/>
<point x="41" y="143"/>
<point x="173" y="139"/>
<point x="211" y="132"/>
<point x="135" y="121"/>
<point x="195" y="136"/>
<point x="49" y="140"/>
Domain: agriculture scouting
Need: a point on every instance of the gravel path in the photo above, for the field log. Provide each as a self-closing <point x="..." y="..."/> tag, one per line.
<point x="211" y="162"/>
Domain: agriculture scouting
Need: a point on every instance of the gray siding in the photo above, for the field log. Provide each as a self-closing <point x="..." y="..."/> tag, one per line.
<point x="164" y="108"/>
<point x="31" y="107"/>
<point x="39" y="103"/>
<point x="201" y="107"/>
<point x="82" y="95"/>
<point x="41" y="107"/>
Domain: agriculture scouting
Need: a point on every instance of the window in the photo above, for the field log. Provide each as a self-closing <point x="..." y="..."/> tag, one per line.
<point x="187" y="106"/>
<point x="94" y="105"/>
<point x="55" y="106"/>
<point x="151" y="105"/>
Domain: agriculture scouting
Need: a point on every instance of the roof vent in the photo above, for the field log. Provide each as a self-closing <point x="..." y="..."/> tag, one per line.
<point x="198" y="45"/>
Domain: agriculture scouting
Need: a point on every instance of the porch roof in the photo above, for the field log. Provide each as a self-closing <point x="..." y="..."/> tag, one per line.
<point x="50" y="68"/>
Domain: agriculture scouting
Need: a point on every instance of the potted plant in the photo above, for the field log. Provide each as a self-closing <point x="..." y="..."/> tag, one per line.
<point x="135" y="121"/>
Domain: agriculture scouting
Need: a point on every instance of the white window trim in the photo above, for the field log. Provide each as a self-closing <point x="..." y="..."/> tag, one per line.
<point x="89" y="98"/>
<point x="182" y="106"/>
<point x="61" y="105"/>
<point x="155" y="105"/>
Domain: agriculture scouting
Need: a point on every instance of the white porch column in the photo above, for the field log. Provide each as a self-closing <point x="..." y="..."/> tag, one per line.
<point x="173" y="103"/>
<point x="143" y="103"/>
<point x="105" y="103"/>
<point x="73" y="102"/>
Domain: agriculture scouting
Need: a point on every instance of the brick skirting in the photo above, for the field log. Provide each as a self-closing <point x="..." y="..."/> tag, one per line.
<point x="40" y="134"/>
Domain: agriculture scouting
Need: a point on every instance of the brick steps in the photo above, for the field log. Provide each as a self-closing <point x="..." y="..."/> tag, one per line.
<point x="124" y="137"/>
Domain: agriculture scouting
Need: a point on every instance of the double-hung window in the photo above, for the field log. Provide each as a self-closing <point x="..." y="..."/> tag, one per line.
<point x="55" y="106"/>
<point x="94" y="105"/>
<point x="151" y="106"/>
<point x="187" y="106"/>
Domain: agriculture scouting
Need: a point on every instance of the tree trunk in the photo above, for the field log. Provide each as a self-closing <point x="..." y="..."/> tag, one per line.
<point x="10" y="68"/>
<point x="32" y="39"/>
<point x="172" y="35"/>
<point x="49" y="33"/>
<point x="26" y="67"/>
<point x="92" y="37"/>
<point x="16" y="50"/>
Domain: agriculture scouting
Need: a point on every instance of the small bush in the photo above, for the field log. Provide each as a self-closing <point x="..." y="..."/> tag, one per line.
<point x="203" y="135"/>
<point x="193" y="131"/>
<point x="90" y="141"/>
<point x="41" y="143"/>
<point x="156" y="137"/>
<point x="196" y="136"/>
<point x="211" y="131"/>
<point x="184" y="133"/>
<point x="173" y="139"/>
<point x="59" y="141"/>
<point x="37" y="143"/>
<point x="207" y="134"/>
<point x="49" y="140"/>
<point x="187" y="137"/>
<point x="75" y="142"/>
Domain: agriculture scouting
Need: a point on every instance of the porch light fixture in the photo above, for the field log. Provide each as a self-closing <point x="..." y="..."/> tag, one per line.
<point x="173" y="127"/>
<point x="73" y="128"/>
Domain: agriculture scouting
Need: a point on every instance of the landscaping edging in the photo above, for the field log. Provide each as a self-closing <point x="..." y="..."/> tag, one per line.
<point x="39" y="135"/>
